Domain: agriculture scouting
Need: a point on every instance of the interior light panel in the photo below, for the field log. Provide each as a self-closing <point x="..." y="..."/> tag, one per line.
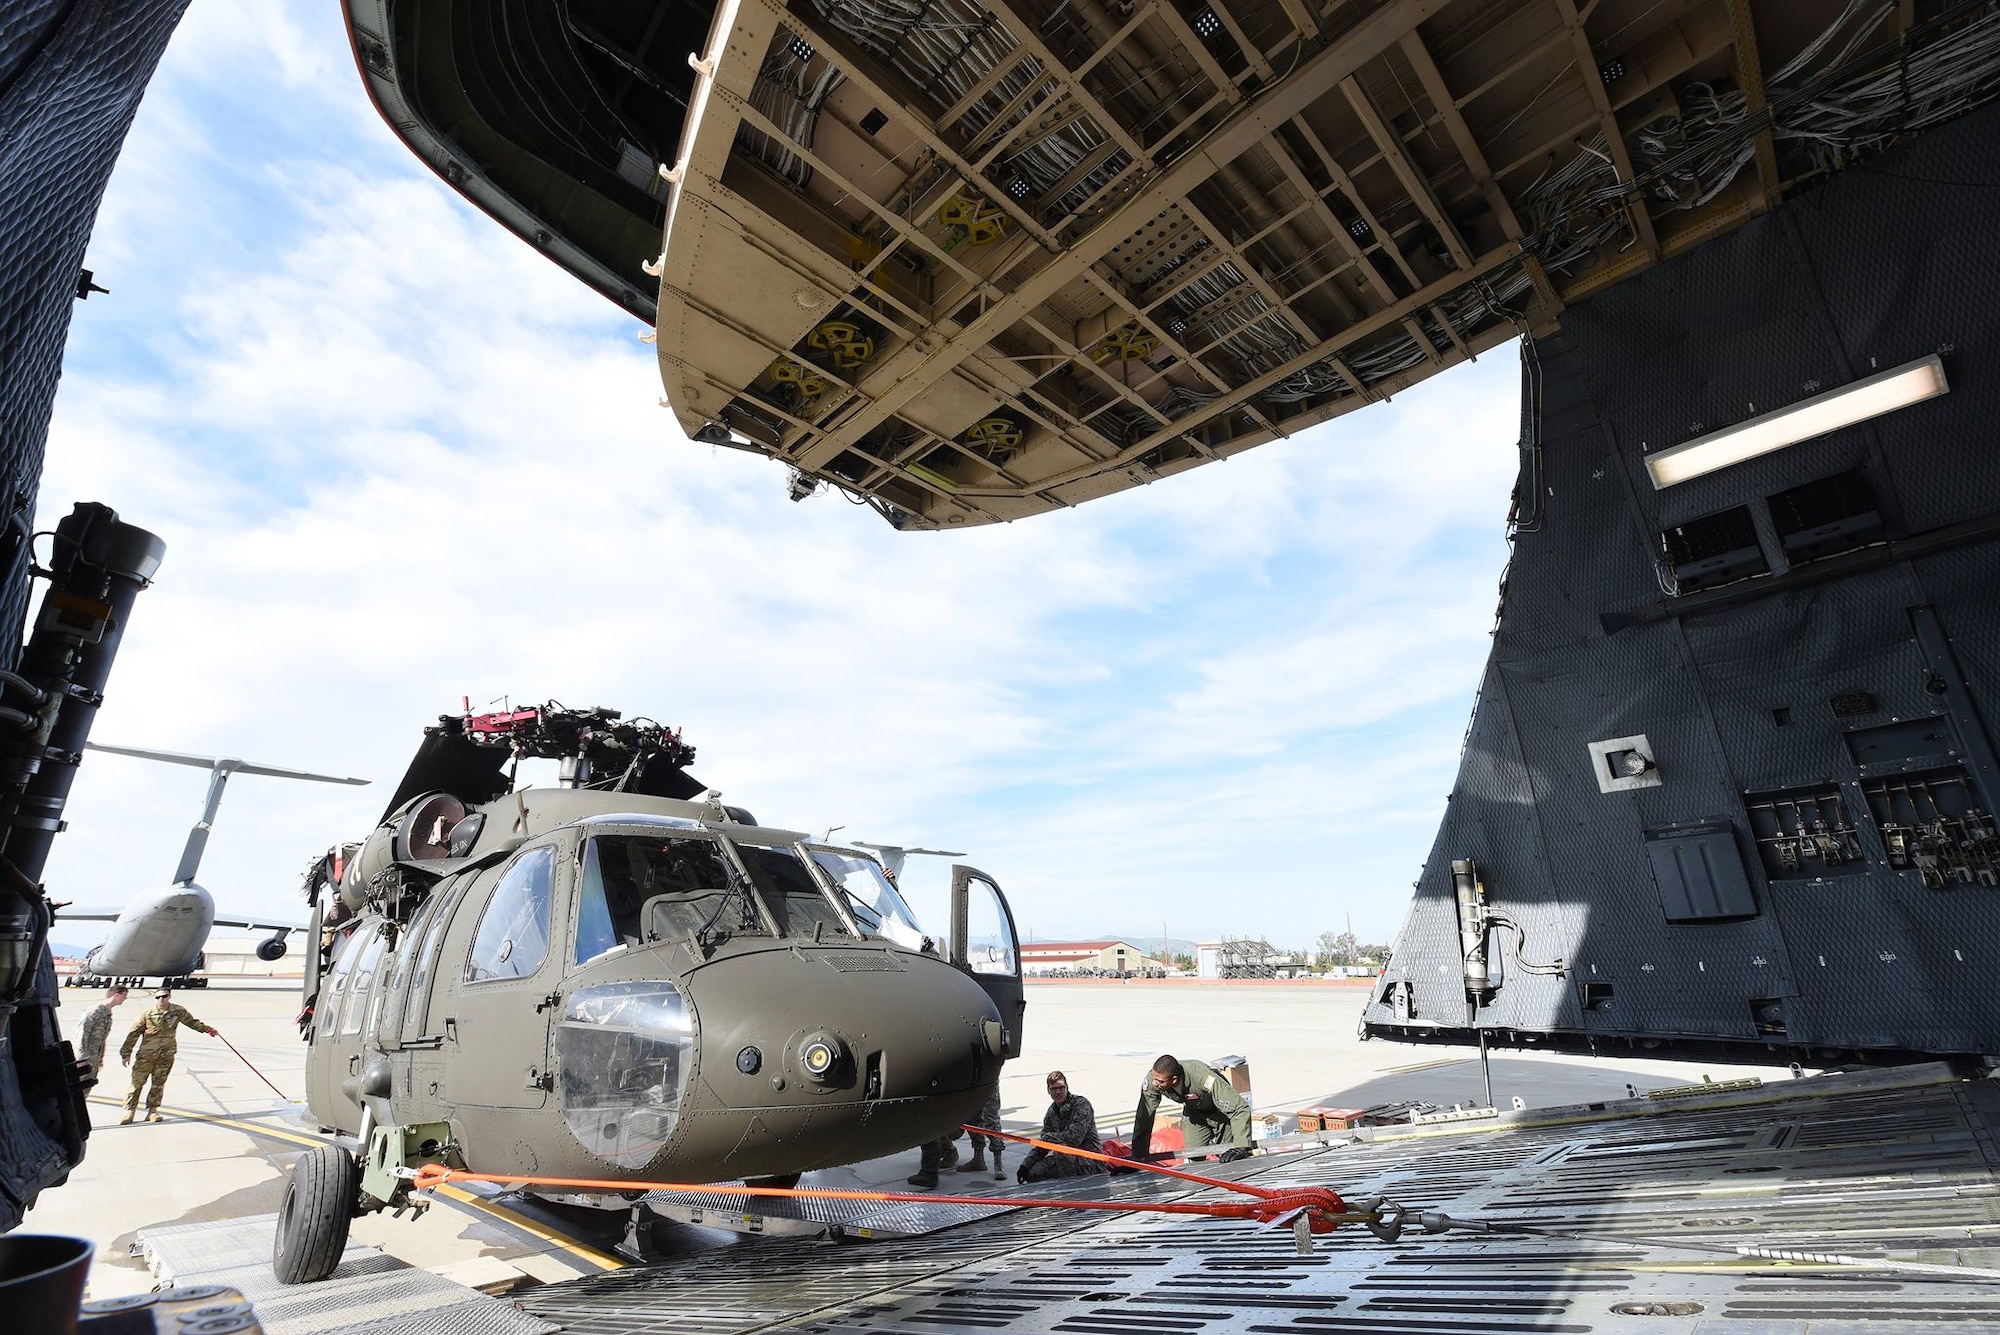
<point x="1884" y="392"/>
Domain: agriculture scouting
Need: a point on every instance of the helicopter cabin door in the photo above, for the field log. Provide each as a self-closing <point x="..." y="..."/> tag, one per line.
<point x="497" y="1032"/>
<point x="985" y="944"/>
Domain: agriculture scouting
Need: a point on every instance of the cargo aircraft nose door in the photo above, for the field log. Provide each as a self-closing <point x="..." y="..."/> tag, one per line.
<point x="984" y="943"/>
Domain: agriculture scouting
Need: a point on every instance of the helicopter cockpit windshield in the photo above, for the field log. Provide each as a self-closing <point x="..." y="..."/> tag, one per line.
<point x="871" y="898"/>
<point x="637" y="888"/>
<point x="640" y="888"/>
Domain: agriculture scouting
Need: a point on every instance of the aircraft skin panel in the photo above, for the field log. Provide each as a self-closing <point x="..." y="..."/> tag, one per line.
<point x="1807" y="639"/>
<point x="160" y="935"/>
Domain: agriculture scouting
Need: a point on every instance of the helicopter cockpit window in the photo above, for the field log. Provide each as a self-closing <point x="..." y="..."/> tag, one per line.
<point x="622" y="1050"/>
<point x="872" y="900"/>
<point x="647" y="888"/>
<point x="801" y="907"/>
<point x="513" y="936"/>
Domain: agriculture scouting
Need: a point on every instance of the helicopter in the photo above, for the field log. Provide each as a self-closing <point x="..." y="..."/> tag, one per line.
<point x="620" y="979"/>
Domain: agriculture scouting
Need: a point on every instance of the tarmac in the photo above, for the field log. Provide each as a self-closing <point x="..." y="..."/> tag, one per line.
<point x="229" y="1140"/>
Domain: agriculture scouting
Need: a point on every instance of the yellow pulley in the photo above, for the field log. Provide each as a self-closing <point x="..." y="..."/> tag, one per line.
<point x="809" y="382"/>
<point x="843" y="341"/>
<point x="994" y="434"/>
<point x="984" y="221"/>
<point x="1126" y="343"/>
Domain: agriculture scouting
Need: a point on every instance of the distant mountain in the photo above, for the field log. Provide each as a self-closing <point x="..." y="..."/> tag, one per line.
<point x="63" y="951"/>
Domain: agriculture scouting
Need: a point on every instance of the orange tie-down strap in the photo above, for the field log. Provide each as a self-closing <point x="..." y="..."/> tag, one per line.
<point x="1305" y="1209"/>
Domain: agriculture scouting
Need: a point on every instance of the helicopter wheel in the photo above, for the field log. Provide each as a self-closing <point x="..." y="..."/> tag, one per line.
<point x="313" y="1221"/>
<point x="786" y="1181"/>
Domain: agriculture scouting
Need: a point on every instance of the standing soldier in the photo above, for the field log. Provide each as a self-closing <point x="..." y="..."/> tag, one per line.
<point x="157" y="1037"/>
<point x="1212" y="1112"/>
<point x="97" y="1030"/>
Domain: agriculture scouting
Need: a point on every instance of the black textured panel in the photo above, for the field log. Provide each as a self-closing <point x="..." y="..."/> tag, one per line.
<point x="1735" y="686"/>
<point x="70" y="78"/>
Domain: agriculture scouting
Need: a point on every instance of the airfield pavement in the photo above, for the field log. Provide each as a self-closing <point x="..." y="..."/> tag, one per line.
<point x="225" y="1151"/>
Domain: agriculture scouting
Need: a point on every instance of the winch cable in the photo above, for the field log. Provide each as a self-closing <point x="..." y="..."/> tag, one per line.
<point x="1146" y="1165"/>
<point x="1307" y="1210"/>
<point x="254" y="1071"/>
<point x="1437" y="1221"/>
<point x="1386" y="1221"/>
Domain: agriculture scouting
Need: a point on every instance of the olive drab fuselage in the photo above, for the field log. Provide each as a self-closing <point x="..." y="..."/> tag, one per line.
<point x="599" y="1010"/>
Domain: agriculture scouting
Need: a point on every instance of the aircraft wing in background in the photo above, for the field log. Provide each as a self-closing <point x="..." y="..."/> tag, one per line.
<point x="256" y="926"/>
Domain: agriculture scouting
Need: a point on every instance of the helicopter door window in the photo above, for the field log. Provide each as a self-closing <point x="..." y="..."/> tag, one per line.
<point x="346" y="950"/>
<point x="513" y="936"/>
<point x="875" y="903"/>
<point x="364" y="978"/>
<point x="989" y="931"/>
<point x="397" y="992"/>
<point x="423" y="956"/>
<point x="802" y="908"/>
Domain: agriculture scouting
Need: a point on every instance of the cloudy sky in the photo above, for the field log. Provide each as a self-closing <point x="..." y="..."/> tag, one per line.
<point x="399" y="459"/>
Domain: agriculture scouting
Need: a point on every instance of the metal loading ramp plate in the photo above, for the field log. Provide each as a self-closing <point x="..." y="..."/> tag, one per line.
<point x="1827" y="1165"/>
<point x="370" y="1291"/>
<point x="782" y="1216"/>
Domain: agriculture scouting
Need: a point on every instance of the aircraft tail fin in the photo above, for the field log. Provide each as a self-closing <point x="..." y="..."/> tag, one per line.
<point x="219" y="768"/>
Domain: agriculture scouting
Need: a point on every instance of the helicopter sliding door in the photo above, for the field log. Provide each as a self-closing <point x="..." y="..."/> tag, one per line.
<point x="497" y="1032"/>
<point x="984" y="943"/>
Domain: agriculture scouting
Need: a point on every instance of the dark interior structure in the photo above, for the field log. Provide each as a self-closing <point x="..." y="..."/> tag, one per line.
<point x="1806" y="646"/>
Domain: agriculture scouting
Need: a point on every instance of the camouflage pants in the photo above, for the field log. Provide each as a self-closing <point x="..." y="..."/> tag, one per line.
<point x="1042" y="1166"/>
<point x="988" y="1117"/>
<point x="154" y="1068"/>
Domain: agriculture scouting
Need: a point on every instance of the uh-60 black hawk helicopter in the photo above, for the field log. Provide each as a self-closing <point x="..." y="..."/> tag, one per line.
<point x="620" y="979"/>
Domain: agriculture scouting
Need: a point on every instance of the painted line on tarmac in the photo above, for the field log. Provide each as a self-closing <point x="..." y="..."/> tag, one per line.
<point x="598" y="1261"/>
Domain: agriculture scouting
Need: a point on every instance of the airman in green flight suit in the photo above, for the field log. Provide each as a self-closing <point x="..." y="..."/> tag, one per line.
<point x="1212" y="1112"/>
<point x="156" y="1035"/>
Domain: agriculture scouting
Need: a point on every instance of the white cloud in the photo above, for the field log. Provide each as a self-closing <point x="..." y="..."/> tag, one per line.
<point x="398" y="457"/>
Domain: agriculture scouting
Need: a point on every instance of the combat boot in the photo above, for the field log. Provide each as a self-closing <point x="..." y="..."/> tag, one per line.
<point x="154" y="1116"/>
<point x="976" y="1164"/>
<point x="126" y="1120"/>
<point x="999" y="1173"/>
<point x="926" y="1180"/>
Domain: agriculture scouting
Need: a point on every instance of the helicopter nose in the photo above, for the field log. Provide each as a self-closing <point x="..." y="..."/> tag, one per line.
<point x="877" y="1050"/>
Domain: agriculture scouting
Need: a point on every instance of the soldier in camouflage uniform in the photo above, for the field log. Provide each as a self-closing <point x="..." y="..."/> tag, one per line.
<point x="156" y="1035"/>
<point x="97" y="1030"/>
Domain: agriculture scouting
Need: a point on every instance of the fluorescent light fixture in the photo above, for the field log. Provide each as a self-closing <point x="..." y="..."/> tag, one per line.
<point x="1881" y="393"/>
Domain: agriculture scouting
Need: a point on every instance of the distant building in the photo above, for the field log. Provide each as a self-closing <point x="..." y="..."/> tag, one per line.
<point x="1044" y="957"/>
<point x="1240" y="958"/>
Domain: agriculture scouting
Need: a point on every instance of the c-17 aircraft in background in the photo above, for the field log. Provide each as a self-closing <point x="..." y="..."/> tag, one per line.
<point x="160" y="933"/>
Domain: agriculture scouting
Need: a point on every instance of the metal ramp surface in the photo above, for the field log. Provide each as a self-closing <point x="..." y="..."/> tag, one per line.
<point x="1897" y="1166"/>
<point x="370" y="1291"/>
<point x="809" y="1217"/>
